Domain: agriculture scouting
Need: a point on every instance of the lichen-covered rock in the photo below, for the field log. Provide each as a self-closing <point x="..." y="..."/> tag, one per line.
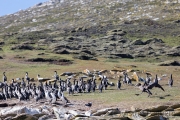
<point x="156" y="109"/>
<point x="19" y="110"/>
<point x="119" y="118"/>
<point x="68" y="116"/>
<point x="25" y="117"/>
<point x="175" y="106"/>
<point x="169" y="63"/>
<point x="103" y="111"/>
<point x="157" y="117"/>
<point x="176" y="113"/>
<point x="113" y="112"/>
<point x="88" y="113"/>
<point x="135" y="116"/>
<point x="46" y="117"/>
<point x="169" y="109"/>
<point x="134" y="109"/>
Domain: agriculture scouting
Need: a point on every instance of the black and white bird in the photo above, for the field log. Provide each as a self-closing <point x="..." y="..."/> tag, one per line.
<point x="170" y="82"/>
<point x="56" y="76"/>
<point x="119" y="84"/>
<point x="155" y="84"/>
<point x="27" y="78"/>
<point x="88" y="104"/>
<point x="143" y="89"/>
<point x="4" y="77"/>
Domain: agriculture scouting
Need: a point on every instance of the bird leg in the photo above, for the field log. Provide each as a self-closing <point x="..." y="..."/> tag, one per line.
<point x="149" y="92"/>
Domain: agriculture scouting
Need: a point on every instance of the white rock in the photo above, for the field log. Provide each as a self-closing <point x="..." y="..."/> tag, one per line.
<point x="56" y="112"/>
<point x="88" y="113"/>
<point x="68" y="116"/>
<point x="19" y="110"/>
<point x="74" y="112"/>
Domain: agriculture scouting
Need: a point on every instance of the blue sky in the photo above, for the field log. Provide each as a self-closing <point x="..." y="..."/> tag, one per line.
<point x="12" y="6"/>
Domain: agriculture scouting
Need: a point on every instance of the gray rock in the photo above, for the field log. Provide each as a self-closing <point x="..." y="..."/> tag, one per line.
<point x="24" y="117"/>
<point x="46" y="117"/>
<point x="175" y="51"/>
<point x="170" y="63"/>
<point x="88" y="113"/>
<point x="137" y="42"/>
<point x="154" y="41"/>
<point x="156" y="108"/>
<point x="103" y="111"/>
<point x="113" y="112"/>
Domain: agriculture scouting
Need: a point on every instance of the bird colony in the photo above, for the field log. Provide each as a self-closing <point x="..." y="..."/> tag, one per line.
<point x="53" y="89"/>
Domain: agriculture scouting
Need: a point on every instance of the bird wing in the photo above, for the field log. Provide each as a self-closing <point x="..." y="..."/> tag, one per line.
<point x="159" y="86"/>
<point x="151" y="86"/>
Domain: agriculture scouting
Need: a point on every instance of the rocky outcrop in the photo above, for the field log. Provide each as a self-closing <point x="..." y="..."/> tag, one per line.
<point x="44" y="112"/>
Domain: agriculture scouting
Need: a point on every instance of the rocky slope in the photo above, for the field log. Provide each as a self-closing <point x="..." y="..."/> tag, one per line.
<point x="91" y="28"/>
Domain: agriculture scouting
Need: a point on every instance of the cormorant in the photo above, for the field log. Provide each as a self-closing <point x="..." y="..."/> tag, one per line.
<point x="143" y="89"/>
<point x="88" y="104"/>
<point x="4" y="77"/>
<point x="119" y="84"/>
<point x="100" y="87"/>
<point x="155" y="84"/>
<point x="170" y="82"/>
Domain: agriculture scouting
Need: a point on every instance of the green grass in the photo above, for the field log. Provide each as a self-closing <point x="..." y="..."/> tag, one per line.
<point x="125" y="98"/>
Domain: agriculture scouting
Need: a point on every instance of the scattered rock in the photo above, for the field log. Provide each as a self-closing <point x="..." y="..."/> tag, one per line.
<point x="22" y="47"/>
<point x="170" y="63"/>
<point x="175" y="51"/>
<point x="103" y="111"/>
<point x="25" y="117"/>
<point x="68" y="116"/>
<point x="169" y="109"/>
<point x="88" y="113"/>
<point x="156" y="109"/>
<point x="175" y="106"/>
<point x="73" y="112"/>
<point x="84" y="56"/>
<point x="176" y="113"/>
<point x="82" y="118"/>
<point x="134" y="109"/>
<point x="3" y="105"/>
<point x="62" y="51"/>
<point x="137" y="42"/>
<point x="123" y="55"/>
<point x="154" y="40"/>
<point x="113" y="112"/>
<point x="46" y="117"/>
<point x="157" y="117"/>
<point x="56" y="113"/>
<point x="119" y="118"/>
<point x="8" y="116"/>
